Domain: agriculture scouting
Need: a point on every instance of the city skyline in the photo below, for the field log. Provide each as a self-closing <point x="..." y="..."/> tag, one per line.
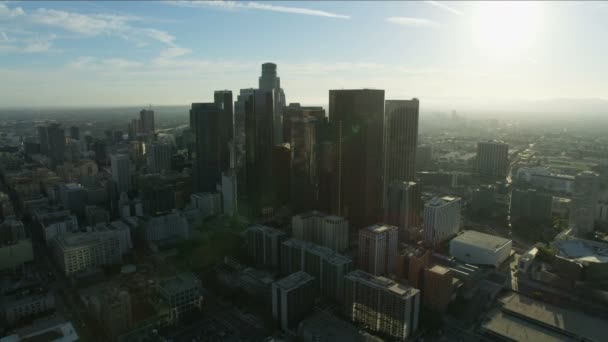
<point x="169" y="53"/>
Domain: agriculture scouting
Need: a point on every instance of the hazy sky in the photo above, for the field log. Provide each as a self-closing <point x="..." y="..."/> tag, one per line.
<point x="445" y="53"/>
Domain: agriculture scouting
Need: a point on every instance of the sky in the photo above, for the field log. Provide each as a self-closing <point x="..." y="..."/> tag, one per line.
<point x="445" y="53"/>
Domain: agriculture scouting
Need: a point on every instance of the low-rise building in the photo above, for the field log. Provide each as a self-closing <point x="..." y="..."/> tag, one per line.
<point x="25" y="303"/>
<point x="173" y="225"/>
<point x="83" y="251"/>
<point x="477" y="248"/>
<point x="182" y="293"/>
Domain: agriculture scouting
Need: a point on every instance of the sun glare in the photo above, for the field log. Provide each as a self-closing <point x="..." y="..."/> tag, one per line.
<point x="504" y="30"/>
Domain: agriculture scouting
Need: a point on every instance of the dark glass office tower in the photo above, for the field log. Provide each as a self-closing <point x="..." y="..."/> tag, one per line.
<point x="359" y="117"/>
<point x="56" y="140"/>
<point x="204" y="122"/>
<point x="401" y="134"/>
<point x="223" y="100"/>
<point x="259" y="146"/>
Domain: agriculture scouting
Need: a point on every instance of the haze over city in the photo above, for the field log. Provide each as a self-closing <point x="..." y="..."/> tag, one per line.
<point x="455" y="55"/>
<point x="283" y="171"/>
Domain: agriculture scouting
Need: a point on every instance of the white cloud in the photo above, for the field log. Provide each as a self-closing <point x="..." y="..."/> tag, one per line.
<point x="6" y="12"/>
<point x="38" y="46"/>
<point x="295" y="10"/>
<point x="159" y="35"/>
<point x="232" y="5"/>
<point x="414" y="22"/>
<point x="444" y="7"/>
<point x="173" y="52"/>
<point x="81" y="23"/>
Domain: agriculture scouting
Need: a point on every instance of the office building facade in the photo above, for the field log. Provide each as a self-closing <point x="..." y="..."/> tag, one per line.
<point x="493" y="159"/>
<point x="381" y="304"/>
<point x="584" y="202"/>
<point x="158" y="157"/>
<point x="442" y="218"/>
<point x="403" y="206"/>
<point x="401" y="137"/>
<point x="326" y="230"/>
<point x="378" y="249"/>
<point x="358" y="116"/>
<point x="121" y="171"/>
<point x="293" y="299"/>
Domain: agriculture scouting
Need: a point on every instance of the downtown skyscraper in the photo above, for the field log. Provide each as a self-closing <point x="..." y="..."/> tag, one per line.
<point x="401" y="136"/>
<point x="207" y="121"/>
<point x="270" y="82"/>
<point x="358" y="116"/>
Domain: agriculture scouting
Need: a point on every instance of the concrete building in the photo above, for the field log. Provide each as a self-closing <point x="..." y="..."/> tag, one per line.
<point x="163" y="227"/>
<point x="264" y="245"/>
<point x="525" y="319"/>
<point x="114" y="311"/>
<point x="403" y="206"/>
<point x="117" y="229"/>
<point x="378" y="249"/>
<point x="146" y="120"/>
<point x="11" y="230"/>
<point x="80" y="252"/>
<point x="382" y="305"/>
<point x="531" y="205"/>
<point x="229" y="193"/>
<point x="158" y="157"/>
<point x="493" y="159"/>
<point x="209" y="203"/>
<point x="121" y="171"/>
<point x="326" y="230"/>
<point x="477" y="248"/>
<point x="327" y="267"/>
<point x="293" y="299"/>
<point x="73" y="197"/>
<point x="26" y="303"/>
<point x="441" y="218"/>
<point x="544" y="178"/>
<point x="52" y="329"/>
<point x="182" y="293"/>
<point x="439" y="288"/>
<point x="56" y="223"/>
<point x="325" y="327"/>
<point x="15" y="253"/>
<point x="359" y="117"/>
<point x="401" y="136"/>
<point x="584" y="202"/>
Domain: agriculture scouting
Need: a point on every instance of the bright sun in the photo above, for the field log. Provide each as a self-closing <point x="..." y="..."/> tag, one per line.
<point x="503" y="30"/>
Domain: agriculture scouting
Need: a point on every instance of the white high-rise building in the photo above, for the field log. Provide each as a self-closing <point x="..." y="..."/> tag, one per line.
<point x="121" y="171"/>
<point x="378" y="249"/>
<point x="584" y="202"/>
<point x="441" y="218"/>
<point x="326" y="230"/>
